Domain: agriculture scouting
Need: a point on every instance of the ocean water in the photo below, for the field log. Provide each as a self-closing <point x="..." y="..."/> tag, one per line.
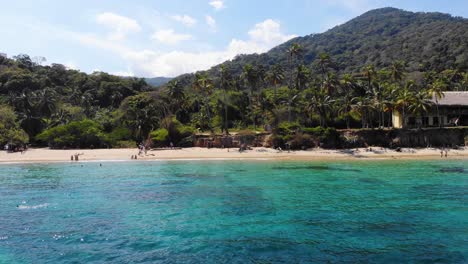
<point x="235" y="212"/>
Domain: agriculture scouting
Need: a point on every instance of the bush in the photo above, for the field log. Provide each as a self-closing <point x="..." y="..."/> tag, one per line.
<point x="78" y="134"/>
<point x="176" y="132"/>
<point x="124" y="144"/>
<point x="287" y="128"/>
<point x="301" y="141"/>
<point x="10" y="131"/>
<point x="119" y="134"/>
<point x="160" y="137"/>
<point x="326" y="137"/>
<point x="186" y="142"/>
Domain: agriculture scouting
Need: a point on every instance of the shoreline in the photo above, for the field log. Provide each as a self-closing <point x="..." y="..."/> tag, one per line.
<point x="45" y="155"/>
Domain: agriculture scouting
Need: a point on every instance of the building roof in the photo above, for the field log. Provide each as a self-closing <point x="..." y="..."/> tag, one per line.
<point x="453" y="99"/>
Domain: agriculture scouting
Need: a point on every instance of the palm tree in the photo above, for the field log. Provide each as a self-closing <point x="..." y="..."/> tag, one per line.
<point x="320" y="103"/>
<point x="324" y="62"/>
<point x="276" y="77"/>
<point x="295" y="51"/>
<point x="369" y="73"/>
<point x="175" y="91"/>
<point x="204" y="86"/>
<point x="436" y="90"/>
<point x="46" y="101"/>
<point x="420" y="104"/>
<point x="330" y="83"/>
<point x="226" y="82"/>
<point x="345" y="105"/>
<point x="302" y="77"/>
<point x="362" y="104"/>
<point x="404" y="100"/>
<point x="397" y="71"/>
<point x="250" y="77"/>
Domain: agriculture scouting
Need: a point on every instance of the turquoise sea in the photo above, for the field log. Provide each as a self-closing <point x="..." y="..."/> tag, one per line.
<point x="235" y="212"/>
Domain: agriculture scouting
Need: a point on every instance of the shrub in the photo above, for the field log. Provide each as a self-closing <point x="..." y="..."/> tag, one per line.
<point x="160" y="137"/>
<point x="186" y="142"/>
<point x="10" y="131"/>
<point x="176" y="131"/>
<point x="301" y="141"/>
<point x="326" y="137"/>
<point x="119" y="134"/>
<point x="124" y="144"/>
<point x="78" y="134"/>
<point x="287" y="128"/>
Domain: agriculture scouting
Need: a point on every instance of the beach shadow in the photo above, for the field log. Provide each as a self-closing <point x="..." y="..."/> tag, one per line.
<point x="316" y="168"/>
<point x="351" y="153"/>
<point x="454" y="170"/>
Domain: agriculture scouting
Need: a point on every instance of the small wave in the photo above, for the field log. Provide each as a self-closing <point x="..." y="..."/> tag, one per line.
<point x="27" y="207"/>
<point x="3" y="237"/>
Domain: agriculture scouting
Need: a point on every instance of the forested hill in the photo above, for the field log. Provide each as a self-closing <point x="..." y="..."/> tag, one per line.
<point x="425" y="41"/>
<point x="352" y="76"/>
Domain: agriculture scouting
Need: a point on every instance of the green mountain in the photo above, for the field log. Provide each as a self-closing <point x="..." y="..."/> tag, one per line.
<point x="425" y="41"/>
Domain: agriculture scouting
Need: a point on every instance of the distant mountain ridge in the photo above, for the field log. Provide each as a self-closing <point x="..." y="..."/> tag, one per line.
<point x="158" y="81"/>
<point x="426" y="41"/>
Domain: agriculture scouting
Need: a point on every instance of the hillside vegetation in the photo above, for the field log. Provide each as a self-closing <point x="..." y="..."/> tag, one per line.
<point x="352" y="76"/>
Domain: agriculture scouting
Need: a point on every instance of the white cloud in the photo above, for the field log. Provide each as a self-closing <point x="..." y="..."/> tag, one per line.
<point x="217" y="4"/>
<point x="149" y="63"/>
<point x="185" y="19"/>
<point x="269" y="32"/>
<point x="210" y="21"/>
<point x="263" y="36"/>
<point x="169" y="37"/>
<point x="120" y="26"/>
<point x="123" y="73"/>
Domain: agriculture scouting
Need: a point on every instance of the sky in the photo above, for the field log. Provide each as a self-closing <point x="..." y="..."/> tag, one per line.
<point x="153" y="38"/>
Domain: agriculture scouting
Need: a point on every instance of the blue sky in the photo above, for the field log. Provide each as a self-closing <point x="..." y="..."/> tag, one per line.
<point x="169" y="37"/>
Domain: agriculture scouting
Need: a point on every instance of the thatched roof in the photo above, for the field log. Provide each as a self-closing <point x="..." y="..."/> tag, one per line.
<point x="453" y="99"/>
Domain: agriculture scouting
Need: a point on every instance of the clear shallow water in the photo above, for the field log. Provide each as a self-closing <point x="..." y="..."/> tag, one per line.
<point x="235" y="212"/>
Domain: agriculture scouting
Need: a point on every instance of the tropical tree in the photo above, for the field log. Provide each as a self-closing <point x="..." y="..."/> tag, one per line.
<point x="420" y="104"/>
<point x="404" y="100"/>
<point x="397" y="71"/>
<point x="250" y="77"/>
<point x="321" y="103"/>
<point x="226" y="83"/>
<point x="294" y="53"/>
<point x="275" y="78"/>
<point x="436" y="90"/>
<point x="176" y="93"/>
<point x="204" y="86"/>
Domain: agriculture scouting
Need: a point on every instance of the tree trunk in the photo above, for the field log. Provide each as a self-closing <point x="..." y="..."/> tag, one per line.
<point x="225" y="114"/>
<point x="438" y="114"/>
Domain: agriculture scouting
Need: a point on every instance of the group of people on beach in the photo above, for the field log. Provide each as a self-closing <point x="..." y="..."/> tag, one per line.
<point x="15" y="148"/>
<point x="443" y="152"/>
<point x="76" y="156"/>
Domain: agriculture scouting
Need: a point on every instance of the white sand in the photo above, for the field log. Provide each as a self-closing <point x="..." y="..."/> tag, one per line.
<point x="47" y="155"/>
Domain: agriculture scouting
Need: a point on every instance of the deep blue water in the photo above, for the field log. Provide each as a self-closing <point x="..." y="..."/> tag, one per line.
<point x="235" y="212"/>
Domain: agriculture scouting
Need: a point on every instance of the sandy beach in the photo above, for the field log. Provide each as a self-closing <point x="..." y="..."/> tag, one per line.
<point x="48" y="155"/>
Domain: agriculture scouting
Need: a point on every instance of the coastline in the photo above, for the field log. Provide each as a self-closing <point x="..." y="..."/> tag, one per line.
<point x="44" y="155"/>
